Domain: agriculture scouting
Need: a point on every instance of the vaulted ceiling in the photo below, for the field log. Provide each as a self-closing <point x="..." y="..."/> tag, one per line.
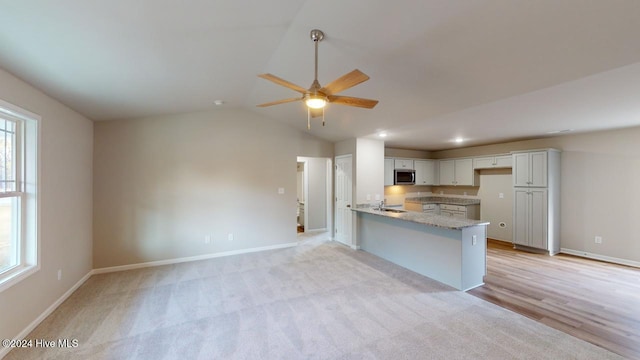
<point x="485" y="70"/>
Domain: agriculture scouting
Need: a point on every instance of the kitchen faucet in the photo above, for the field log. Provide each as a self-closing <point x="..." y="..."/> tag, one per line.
<point x="380" y="204"/>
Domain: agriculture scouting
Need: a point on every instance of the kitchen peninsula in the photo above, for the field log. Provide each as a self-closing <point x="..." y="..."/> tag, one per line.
<point x="447" y="249"/>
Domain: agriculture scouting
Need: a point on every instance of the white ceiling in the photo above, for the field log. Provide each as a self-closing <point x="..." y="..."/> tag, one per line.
<point x="485" y="70"/>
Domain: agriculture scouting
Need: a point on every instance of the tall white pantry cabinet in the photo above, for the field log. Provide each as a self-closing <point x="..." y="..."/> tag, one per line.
<point x="536" y="210"/>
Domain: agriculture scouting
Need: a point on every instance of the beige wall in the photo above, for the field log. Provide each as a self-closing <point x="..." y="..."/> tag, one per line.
<point x="162" y="184"/>
<point x="369" y="165"/>
<point x="405" y="153"/>
<point x="66" y="143"/>
<point x="493" y="208"/>
<point x="599" y="194"/>
<point x="396" y="194"/>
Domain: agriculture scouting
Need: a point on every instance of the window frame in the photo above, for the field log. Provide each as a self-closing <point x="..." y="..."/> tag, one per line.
<point x="26" y="160"/>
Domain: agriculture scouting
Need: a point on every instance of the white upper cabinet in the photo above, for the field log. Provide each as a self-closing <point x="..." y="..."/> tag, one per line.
<point x="503" y="161"/>
<point x="447" y="172"/>
<point x="425" y="172"/>
<point x="403" y="164"/>
<point x="388" y="171"/>
<point x="492" y="162"/>
<point x="458" y="172"/>
<point x="464" y="172"/>
<point x="530" y="169"/>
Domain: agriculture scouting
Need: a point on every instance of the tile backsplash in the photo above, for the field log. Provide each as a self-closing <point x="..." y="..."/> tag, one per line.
<point x="395" y="195"/>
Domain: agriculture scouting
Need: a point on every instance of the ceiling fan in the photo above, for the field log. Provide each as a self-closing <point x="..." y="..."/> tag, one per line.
<point x="317" y="97"/>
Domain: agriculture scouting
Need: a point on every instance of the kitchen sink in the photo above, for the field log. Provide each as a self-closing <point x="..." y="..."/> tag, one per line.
<point x="393" y="210"/>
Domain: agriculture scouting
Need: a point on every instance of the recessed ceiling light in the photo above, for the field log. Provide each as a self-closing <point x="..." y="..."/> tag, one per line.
<point x="458" y="140"/>
<point x="219" y="102"/>
<point x="382" y="134"/>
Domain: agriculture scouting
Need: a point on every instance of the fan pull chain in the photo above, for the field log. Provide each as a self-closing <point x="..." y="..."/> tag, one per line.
<point x="322" y="116"/>
<point x="308" y="118"/>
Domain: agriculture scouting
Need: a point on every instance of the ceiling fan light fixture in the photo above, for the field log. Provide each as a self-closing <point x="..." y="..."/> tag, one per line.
<point x="317" y="96"/>
<point x="316" y="101"/>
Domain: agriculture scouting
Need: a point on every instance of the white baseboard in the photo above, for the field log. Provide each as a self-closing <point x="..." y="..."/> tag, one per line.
<point x="23" y="334"/>
<point x="600" y="257"/>
<point x="502" y="240"/>
<point x="190" y="258"/>
<point x="315" y="230"/>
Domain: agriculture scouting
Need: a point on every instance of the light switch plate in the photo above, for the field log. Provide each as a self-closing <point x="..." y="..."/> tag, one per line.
<point x="280" y="191"/>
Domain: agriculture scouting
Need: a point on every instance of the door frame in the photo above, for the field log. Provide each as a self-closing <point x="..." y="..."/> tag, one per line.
<point x="328" y="176"/>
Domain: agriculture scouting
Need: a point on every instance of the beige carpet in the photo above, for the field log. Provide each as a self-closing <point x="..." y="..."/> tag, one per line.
<point x="319" y="300"/>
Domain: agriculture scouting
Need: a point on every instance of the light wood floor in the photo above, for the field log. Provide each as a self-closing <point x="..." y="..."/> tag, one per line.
<point x="595" y="301"/>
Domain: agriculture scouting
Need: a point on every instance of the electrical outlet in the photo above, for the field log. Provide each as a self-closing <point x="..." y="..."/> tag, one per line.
<point x="474" y="239"/>
<point x="368" y="197"/>
<point x="281" y="191"/>
<point x="598" y="239"/>
<point x="230" y="237"/>
<point x="500" y="195"/>
<point x="59" y="274"/>
<point x="207" y="239"/>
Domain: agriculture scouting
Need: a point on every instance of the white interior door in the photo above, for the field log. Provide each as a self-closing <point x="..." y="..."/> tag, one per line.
<point x="343" y="199"/>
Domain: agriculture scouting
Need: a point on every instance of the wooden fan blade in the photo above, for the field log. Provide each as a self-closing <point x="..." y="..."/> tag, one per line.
<point x="344" y="82"/>
<point x="353" y="101"/>
<point x="283" y="101"/>
<point x="283" y="82"/>
<point x="315" y="112"/>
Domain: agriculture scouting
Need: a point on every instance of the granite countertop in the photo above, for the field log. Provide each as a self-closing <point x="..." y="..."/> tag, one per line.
<point x="442" y="200"/>
<point x="446" y="222"/>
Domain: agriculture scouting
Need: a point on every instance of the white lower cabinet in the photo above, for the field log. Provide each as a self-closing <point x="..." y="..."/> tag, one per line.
<point x="461" y="211"/>
<point x="433" y="209"/>
<point x="530" y="214"/>
<point x="456" y="211"/>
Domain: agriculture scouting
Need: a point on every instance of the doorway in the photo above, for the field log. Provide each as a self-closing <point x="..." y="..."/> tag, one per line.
<point x="300" y="196"/>
<point x="313" y="179"/>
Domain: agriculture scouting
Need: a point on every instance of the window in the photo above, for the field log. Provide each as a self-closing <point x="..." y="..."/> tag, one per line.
<point x="9" y="196"/>
<point x="18" y="196"/>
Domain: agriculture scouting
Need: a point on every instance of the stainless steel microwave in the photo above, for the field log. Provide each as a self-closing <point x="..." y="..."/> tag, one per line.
<point x="404" y="177"/>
